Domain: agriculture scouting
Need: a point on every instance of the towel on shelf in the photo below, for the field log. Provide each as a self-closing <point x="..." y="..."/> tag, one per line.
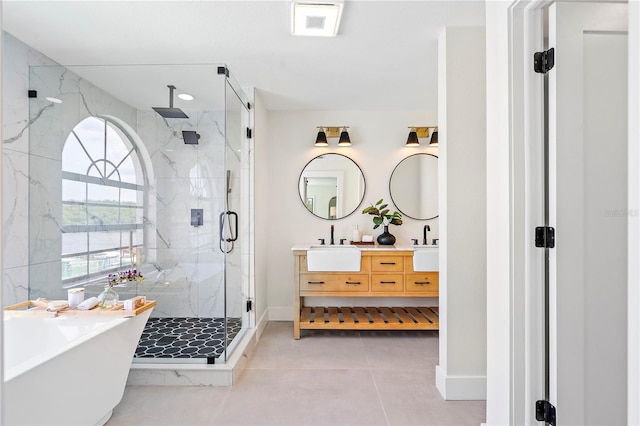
<point x="88" y="304"/>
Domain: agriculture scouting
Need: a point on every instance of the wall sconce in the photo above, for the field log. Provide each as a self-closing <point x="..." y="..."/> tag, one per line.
<point x="422" y="132"/>
<point x="321" y="139"/>
<point x="333" y="132"/>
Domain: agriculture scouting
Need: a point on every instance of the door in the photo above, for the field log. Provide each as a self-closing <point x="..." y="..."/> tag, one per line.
<point x="587" y="206"/>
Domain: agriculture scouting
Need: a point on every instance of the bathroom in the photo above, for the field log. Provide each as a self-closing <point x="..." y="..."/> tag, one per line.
<point x="374" y="135"/>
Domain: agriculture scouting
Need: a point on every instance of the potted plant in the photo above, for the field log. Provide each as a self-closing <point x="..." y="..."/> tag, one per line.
<point x="382" y="216"/>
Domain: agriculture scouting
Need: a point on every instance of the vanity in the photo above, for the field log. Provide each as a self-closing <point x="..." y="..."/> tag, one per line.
<point x="382" y="272"/>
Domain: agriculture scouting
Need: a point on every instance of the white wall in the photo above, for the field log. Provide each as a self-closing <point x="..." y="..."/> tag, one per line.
<point x="261" y="199"/>
<point x="461" y="373"/>
<point x="498" y="201"/>
<point x="1" y="329"/>
<point x="633" y="396"/>
<point x="378" y="145"/>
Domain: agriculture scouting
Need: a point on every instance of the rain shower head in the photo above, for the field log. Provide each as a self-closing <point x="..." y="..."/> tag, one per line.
<point x="170" y="112"/>
<point x="190" y="137"/>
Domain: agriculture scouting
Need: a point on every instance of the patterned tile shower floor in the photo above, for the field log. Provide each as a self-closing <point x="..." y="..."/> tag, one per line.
<point x="186" y="337"/>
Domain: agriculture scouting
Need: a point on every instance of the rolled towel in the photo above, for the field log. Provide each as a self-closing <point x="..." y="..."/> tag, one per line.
<point x="88" y="304"/>
<point x="57" y="305"/>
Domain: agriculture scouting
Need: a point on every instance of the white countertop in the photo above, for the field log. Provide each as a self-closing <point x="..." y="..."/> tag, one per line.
<point x="399" y="247"/>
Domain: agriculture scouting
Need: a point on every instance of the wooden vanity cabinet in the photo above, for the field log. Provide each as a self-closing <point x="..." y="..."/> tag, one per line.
<point x="382" y="274"/>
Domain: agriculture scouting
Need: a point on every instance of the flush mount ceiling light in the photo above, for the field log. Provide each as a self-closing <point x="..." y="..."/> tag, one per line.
<point x="316" y="18"/>
<point x="54" y="100"/>
<point x="185" y="97"/>
<point x="333" y="132"/>
<point x="422" y="132"/>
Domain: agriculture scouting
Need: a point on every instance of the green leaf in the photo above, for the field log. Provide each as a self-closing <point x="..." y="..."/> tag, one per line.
<point x="384" y="212"/>
<point x="396" y="221"/>
<point x="377" y="220"/>
<point x="383" y="206"/>
<point x="374" y="211"/>
<point x="379" y="202"/>
<point x="366" y="209"/>
<point x="376" y="226"/>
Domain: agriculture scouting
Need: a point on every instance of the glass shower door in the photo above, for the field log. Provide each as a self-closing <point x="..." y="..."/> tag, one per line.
<point x="235" y="221"/>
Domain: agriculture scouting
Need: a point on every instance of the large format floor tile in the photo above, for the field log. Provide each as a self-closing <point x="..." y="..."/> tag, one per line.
<point x="325" y="378"/>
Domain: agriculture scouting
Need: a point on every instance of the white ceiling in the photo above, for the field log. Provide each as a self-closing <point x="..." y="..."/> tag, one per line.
<point x="384" y="57"/>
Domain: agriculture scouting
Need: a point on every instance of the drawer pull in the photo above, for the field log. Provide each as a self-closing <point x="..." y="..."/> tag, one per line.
<point x="422" y="282"/>
<point x="315" y="282"/>
<point x="387" y="282"/>
<point x="387" y="263"/>
<point x="353" y="282"/>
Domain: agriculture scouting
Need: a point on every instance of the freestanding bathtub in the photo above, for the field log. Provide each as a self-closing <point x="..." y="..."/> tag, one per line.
<point x="67" y="370"/>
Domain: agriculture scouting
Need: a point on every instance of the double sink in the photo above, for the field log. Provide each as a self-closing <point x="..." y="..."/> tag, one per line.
<point x="347" y="258"/>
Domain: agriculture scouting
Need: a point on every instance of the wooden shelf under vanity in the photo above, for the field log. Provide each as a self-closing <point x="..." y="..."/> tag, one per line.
<point x="369" y="318"/>
<point x="383" y="273"/>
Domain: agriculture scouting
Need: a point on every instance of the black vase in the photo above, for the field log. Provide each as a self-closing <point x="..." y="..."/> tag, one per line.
<point x="386" y="239"/>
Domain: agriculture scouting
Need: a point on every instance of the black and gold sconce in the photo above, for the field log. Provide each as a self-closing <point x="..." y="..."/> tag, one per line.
<point x="333" y="132"/>
<point x="422" y="132"/>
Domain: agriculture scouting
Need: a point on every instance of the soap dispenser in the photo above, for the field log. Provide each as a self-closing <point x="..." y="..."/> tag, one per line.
<point x="356" y="234"/>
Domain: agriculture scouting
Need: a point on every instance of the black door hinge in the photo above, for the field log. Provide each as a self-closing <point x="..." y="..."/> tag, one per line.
<point x="544" y="61"/>
<point x="545" y="237"/>
<point x="545" y="412"/>
<point x="249" y="133"/>
<point x="249" y="305"/>
<point x="223" y="71"/>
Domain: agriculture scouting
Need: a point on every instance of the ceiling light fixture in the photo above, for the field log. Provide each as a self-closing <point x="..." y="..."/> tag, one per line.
<point x="422" y="132"/>
<point x="54" y="100"/>
<point x="316" y="18"/>
<point x="185" y="97"/>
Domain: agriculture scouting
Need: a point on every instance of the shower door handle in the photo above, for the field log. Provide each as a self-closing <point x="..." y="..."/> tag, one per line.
<point x="234" y="235"/>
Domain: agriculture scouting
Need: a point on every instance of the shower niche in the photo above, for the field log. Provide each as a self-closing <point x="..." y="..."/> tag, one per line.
<point x="117" y="170"/>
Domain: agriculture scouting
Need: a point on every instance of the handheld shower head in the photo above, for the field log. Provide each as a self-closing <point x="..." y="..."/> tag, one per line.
<point x="170" y="112"/>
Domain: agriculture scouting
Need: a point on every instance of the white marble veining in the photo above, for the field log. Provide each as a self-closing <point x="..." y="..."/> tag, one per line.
<point x="184" y="263"/>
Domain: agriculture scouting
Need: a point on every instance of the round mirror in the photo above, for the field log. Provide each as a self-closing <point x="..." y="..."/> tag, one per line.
<point x="414" y="186"/>
<point x="331" y="186"/>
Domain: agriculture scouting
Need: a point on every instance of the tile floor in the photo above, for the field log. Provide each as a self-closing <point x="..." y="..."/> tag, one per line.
<point x="326" y="378"/>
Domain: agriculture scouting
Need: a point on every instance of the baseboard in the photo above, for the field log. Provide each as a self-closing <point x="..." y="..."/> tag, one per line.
<point x="262" y="323"/>
<point x="461" y="388"/>
<point x="280" y="313"/>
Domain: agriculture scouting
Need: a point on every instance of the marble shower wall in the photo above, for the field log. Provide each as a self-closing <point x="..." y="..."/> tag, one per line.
<point x="183" y="264"/>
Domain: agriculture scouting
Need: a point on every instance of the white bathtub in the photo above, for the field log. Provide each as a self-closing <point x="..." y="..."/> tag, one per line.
<point x="67" y="370"/>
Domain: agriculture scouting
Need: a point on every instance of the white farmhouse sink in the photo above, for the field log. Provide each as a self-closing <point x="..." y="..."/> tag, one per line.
<point x="425" y="258"/>
<point x="333" y="258"/>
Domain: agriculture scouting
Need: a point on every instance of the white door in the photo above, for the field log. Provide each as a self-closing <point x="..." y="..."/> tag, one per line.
<point x="588" y="209"/>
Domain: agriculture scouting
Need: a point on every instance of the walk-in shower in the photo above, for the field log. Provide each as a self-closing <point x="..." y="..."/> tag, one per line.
<point x="118" y="183"/>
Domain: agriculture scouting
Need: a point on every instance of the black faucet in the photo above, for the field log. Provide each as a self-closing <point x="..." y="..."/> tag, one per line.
<point x="332" y="242"/>
<point x="424" y="234"/>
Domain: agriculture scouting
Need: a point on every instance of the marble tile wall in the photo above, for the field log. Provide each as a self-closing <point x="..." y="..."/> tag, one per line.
<point x="184" y="267"/>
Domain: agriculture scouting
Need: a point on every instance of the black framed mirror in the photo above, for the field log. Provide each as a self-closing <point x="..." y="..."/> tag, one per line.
<point x="331" y="186"/>
<point x="414" y="186"/>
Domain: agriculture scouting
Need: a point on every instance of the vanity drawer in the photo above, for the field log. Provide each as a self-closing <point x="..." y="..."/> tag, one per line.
<point x="334" y="282"/>
<point x="387" y="283"/>
<point x="387" y="264"/>
<point x="423" y="282"/>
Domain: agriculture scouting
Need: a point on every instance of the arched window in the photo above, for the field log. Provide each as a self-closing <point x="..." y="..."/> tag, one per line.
<point x="102" y="201"/>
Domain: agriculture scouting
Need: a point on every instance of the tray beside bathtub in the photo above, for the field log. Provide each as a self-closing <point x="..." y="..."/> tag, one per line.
<point x="33" y="309"/>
